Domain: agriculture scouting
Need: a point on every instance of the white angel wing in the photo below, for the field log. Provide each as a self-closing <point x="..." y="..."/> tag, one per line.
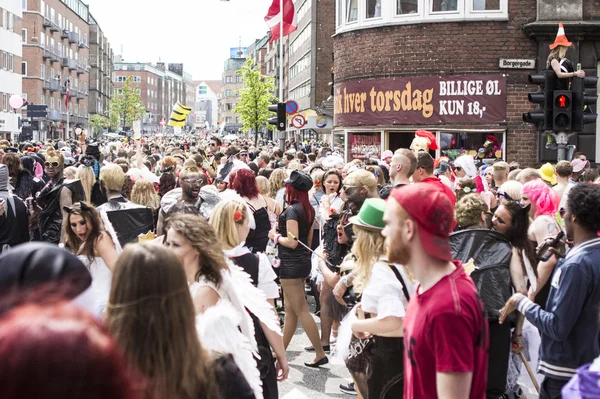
<point x="111" y="231"/>
<point x="252" y="298"/>
<point x="218" y="332"/>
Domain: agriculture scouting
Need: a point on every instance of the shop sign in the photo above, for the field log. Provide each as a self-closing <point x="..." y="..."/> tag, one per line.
<point x="364" y="145"/>
<point x="421" y="100"/>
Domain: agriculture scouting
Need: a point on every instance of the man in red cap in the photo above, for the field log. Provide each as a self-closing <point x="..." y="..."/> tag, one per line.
<point x="446" y="336"/>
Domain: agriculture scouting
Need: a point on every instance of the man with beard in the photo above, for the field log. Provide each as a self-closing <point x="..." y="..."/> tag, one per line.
<point x="53" y="198"/>
<point x="357" y="187"/>
<point x="445" y="331"/>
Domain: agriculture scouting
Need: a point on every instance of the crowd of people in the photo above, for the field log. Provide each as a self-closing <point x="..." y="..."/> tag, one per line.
<point x="177" y="267"/>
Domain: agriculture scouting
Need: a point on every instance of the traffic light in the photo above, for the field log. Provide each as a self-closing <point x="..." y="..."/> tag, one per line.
<point x="280" y="119"/>
<point x="542" y="118"/>
<point x="562" y="115"/>
<point x="582" y="113"/>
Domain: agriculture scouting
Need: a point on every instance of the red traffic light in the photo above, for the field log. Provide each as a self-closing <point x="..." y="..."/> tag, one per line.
<point x="562" y="101"/>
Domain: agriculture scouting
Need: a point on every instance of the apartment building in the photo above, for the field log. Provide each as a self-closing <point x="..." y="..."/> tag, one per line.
<point x="101" y="70"/>
<point x="10" y="65"/>
<point x="190" y="99"/>
<point x="232" y="84"/>
<point x="258" y="52"/>
<point x="207" y="104"/>
<point x="159" y="88"/>
<point x="56" y="63"/>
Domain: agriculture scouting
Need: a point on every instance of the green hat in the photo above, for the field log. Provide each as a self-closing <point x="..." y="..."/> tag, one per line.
<point x="370" y="216"/>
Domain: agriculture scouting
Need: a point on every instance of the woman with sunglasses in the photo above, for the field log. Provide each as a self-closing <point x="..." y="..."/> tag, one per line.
<point x="87" y="238"/>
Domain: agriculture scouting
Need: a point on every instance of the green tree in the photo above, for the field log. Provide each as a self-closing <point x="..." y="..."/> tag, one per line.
<point x="255" y="98"/>
<point x="126" y="107"/>
<point x="98" y="123"/>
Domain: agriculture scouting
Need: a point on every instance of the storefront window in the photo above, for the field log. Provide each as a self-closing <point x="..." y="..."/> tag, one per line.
<point x="351" y="10"/>
<point x="407" y="7"/>
<point x="364" y="145"/>
<point x="486" y="5"/>
<point x="480" y="145"/>
<point x="444" y="5"/>
<point x="373" y="8"/>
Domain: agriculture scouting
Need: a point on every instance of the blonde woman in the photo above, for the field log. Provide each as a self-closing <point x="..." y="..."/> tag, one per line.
<point x="230" y="221"/>
<point x="87" y="177"/>
<point x="385" y="291"/>
<point x="263" y="185"/>
<point x="264" y="188"/>
<point x="143" y="193"/>
<point x="277" y="181"/>
<point x="70" y="174"/>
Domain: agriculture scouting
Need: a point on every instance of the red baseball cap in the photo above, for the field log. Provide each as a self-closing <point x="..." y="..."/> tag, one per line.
<point x="428" y="205"/>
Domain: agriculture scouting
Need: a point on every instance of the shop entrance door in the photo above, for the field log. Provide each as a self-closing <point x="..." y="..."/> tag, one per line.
<point x="400" y="140"/>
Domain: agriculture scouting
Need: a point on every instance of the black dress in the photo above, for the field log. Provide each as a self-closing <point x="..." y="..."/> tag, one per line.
<point x="258" y="237"/>
<point x="295" y="263"/>
<point x="230" y="380"/>
<point x="266" y="366"/>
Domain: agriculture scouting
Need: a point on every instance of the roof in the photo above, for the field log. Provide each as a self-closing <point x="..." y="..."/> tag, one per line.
<point x="214" y="85"/>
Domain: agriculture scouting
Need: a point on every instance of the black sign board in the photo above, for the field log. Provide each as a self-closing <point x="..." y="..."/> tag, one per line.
<point x="37" y="111"/>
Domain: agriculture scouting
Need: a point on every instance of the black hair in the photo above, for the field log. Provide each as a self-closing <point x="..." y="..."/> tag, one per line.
<point x="584" y="203"/>
<point x="517" y="234"/>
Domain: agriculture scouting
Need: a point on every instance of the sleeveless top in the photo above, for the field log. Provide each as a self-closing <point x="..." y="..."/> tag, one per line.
<point x="95" y="297"/>
<point x="259" y="236"/>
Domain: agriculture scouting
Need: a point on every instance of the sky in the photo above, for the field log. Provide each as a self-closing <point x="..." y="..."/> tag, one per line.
<point x="197" y="33"/>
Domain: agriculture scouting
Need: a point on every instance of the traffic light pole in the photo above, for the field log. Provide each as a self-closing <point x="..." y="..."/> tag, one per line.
<point x="281" y="133"/>
<point x="562" y="140"/>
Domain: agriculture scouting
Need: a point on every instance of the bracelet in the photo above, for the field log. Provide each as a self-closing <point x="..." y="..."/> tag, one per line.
<point x="276" y="238"/>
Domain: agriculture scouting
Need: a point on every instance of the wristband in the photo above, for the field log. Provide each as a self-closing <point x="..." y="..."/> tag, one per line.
<point x="276" y="238"/>
<point x="344" y="281"/>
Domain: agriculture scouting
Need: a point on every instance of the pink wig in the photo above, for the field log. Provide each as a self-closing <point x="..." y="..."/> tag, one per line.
<point x="544" y="198"/>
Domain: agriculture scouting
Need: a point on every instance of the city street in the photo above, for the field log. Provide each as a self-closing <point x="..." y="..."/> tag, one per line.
<point x="304" y="382"/>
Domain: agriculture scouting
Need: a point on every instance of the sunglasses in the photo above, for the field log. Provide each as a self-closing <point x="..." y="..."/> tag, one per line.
<point x="345" y="187"/>
<point x="213" y="144"/>
<point x="51" y="164"/>
<point x="192" y="181"/>
<point x="562" y="212"/>
<point x="505" y="196"/>
<point x="458" y="168"/>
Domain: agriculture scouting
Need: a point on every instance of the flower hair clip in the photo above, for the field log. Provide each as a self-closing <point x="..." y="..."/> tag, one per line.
<point x="237" y="216"/>
<point x="467" y="190"/>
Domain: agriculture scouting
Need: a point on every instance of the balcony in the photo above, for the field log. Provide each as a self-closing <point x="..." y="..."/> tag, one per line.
<point x="46" y="23"/>
<point x="82" y="45"/>
<point x="54" y="27"/>
<point x="69" y="63"/>
<point x="64" y="62"/>
<point x="47" y="54"/>
<point x="80" y="69"/>
<point x="64" y="34"/>
<point x="53" y="56"/>
<point x="81" y="94"/>
<point x="46" y="84"/>
<point x="63" y="90"/>
<point x="54" y="85"/>
<point x="54" y="115"/>
<point x="73" y="37"/>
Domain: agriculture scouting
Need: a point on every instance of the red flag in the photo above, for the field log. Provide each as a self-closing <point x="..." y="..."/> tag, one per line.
<point x="67" y="98"/>
<point x="274" y="17"/>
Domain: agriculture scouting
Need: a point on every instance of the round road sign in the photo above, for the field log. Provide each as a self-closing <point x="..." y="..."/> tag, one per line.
<point x="291" y="107"/>
<point x="298" y="121"/>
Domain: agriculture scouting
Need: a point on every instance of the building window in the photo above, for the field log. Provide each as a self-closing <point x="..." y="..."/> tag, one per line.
<point x="351" y="11"/>
<point x="303" y="90"/>
<point x="24" y="68"/>
<point x="24" y="4"/>
<point x="300" y="39"/>
<point x="43" y="71"/>
<point x="303" y="9"/>
<point x="398" y="12"/>
<point x="302" y="64"/>
<point x="227" y="93"/>
<point x="238" y="79"/>
<point x="137" y="79"/>
<point x="23" y="35"/>
<point x="228" y="79"/>
<point x="373" y="8"/>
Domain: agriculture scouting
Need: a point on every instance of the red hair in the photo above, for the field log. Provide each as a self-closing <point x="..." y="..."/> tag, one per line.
<point x="302" y="197"/>
<point x="60" y="351"/>
<point x="244" y="183"/>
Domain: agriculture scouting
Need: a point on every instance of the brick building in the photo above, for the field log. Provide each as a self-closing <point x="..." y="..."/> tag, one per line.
<point x="101" y="70"/>
<point x="310" y="62"/>
<point x="231" y="85"/>
<point x="404" y="65"/>
<point x="159" y="89"/>
<point x="10" y="65"/>
<point x="56" y="58"/>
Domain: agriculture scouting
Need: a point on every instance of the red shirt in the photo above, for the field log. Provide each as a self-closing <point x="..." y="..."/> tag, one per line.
<point x="447" y="190"/>
<point x="445" y="330"/>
